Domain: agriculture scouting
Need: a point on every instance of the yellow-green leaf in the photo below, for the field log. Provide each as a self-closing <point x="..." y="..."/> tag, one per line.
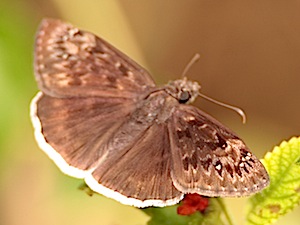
<point x="283" y="194"/>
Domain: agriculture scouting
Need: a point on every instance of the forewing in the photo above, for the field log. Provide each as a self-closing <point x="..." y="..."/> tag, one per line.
<point x="72" y="62"/>
<point x="139" y="173"/>
<point x="73" y="131"/>
<point x="209" y="159"/>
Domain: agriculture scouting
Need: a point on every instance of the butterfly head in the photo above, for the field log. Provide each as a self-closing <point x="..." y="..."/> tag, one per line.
<point x="185" y="91"/>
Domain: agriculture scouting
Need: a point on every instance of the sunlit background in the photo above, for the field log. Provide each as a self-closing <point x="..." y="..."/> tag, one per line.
<point x="250" y="57"/>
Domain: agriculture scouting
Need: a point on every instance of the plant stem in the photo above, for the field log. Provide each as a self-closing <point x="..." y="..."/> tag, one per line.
<point x="222" y="206"/>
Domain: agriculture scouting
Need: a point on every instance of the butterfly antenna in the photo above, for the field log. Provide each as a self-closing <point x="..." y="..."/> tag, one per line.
<point x="236" y="109"/>
<point x="195" y="58"/>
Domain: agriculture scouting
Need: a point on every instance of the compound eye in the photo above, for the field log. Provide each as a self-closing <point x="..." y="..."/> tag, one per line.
<point x="184" y="97"/>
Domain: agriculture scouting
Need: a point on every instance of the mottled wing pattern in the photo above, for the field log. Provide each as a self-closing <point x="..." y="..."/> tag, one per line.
<point x="73" y="131"/>
<point x="72" y="62"/>
<point x="209" y="159"/>
<point x="139" y="173"/>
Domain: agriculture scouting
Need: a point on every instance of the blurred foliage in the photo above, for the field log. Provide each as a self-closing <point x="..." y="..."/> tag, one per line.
<point x="16" y="80"/>
<point x="283" y="194"/>
<point x="16" y="86"/>
<point x="215" y="214"/>
<point x="16" y="44"/>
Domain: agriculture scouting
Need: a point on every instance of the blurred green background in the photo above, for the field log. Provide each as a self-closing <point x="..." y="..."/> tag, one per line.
<point x="250" y="57"/>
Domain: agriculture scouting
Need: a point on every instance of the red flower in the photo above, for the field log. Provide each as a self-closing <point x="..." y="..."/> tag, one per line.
<point x="192" y="203"/>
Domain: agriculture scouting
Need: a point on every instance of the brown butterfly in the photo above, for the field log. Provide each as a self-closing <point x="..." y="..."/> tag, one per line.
<point x="100" y="116"/>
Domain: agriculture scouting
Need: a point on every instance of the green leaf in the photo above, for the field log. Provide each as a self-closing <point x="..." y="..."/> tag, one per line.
<point x="168" y="215"/>
<point x="283" y="194"/>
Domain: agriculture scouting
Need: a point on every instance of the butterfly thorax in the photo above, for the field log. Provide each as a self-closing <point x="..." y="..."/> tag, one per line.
<point x="185" y="91"/>
<point x="157" y="106"/>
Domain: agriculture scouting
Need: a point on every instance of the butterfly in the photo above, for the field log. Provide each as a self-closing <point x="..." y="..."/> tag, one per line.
<point x="100" y="117"/>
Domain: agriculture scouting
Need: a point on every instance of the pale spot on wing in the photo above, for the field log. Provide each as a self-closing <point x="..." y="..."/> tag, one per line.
<point x="41" y="66"/>
<point x="130" y="74"/>
<point x="120" y="87"/>
<point x="50" y="47"/>
<point x="65" y="37"/>
<point x="59" y="66"/>
<point x="89" y="39"/>
<point x="218" y="166"/>
<point x="203" y="126"/>
<point x="64" y="83"/>
<point x="104" y="56"/>
<point x="191" y="118"/>
<point x="50" y="41"/>
<point x="60" y="76"/>
<point x="65" y="56"/>
<point x="72" y="48"/>
<point x="73" y="31"/>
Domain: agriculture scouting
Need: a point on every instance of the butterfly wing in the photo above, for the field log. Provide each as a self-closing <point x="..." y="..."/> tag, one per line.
<point x="139" y="173"/>
<point x="70" y="62"/>
<point x="82" y="117"/>
<point x="72" y="131"/>
<point x="209" y="159"/>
